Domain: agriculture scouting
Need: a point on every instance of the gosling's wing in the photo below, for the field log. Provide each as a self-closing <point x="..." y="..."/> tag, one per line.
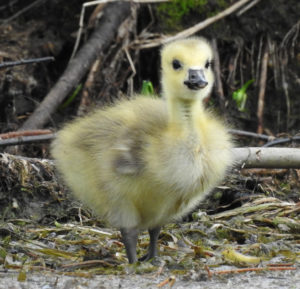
<point x="128" y="160"/>
<point x="141" y="120"/>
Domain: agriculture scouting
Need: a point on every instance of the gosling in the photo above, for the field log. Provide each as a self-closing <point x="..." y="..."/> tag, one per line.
<point x="147" y="161"/>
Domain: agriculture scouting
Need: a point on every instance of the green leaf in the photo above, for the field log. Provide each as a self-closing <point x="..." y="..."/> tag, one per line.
<point x="240" y="96"/>
<point x="71" y="97"/>
<point x="147" y="88"/>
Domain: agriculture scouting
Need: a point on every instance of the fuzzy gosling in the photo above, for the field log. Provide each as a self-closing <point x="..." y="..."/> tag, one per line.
<point x="145" y="162"/>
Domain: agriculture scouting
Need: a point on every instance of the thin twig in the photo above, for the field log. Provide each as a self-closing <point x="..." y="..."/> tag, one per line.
<point x="251" y="134"/>
<point x="276" y="69"/>
<point x="26" y="61"/>
<point x="15" y="134"/>
<point x="130" y="79"/>
<point x="262" y="90"/>
<point x="281" y="141"/>
<point x="27" y="139"/>
<point x="246" y="8"/>
<point x="252" y="60"/>
<point x="259" y="57"/>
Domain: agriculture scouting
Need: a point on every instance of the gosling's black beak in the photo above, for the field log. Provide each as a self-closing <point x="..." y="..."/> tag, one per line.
<point x="196" y="79"/>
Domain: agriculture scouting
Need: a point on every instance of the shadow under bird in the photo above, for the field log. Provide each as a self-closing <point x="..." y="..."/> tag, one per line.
<point x="147" y="161"/>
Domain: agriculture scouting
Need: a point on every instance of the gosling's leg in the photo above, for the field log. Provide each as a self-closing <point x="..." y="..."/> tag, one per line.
<point x="129" y="238"/>
<point x="152" y="250"/>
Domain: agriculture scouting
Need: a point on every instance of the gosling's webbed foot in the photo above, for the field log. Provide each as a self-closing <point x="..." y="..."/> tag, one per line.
<point x="152" y="250"/>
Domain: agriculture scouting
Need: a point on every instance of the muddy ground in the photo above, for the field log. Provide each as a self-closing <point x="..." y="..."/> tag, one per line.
<point x="282" y="280"/>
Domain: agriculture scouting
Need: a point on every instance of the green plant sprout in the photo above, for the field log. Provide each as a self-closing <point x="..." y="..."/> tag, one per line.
<point x="240" y="96"/>
<point x="147" y="88"/>
<point x="71" y="97"/>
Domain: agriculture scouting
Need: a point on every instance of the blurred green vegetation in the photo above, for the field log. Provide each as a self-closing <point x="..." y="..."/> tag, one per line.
<point x="174" y="14"/>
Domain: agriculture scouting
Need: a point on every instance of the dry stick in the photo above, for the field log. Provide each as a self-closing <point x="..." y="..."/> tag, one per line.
<point x="217" y="68"/>
<point x="252" y="60"/>
<point x="194" y="29"/>
<point x="259" y="157"/>
<point x="86" y="99"/>
<point x="258" y="60"/>
<point x="14" y="134"/>
<point x="281" y="141"/>
<point x="275" y="63"/>
<point x="27" y="139"/>
<point x="251" y="134"/>
<point x="247" y="7"/>
<point x="285" y="85"/>
<point x="113" y="16"/>
<point x="262" y="90"/>
<point x="26" y="61"/>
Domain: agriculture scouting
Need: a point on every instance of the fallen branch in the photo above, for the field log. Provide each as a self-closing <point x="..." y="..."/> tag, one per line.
<point x="113" y="16"/>
<point x="258" y="157"/>
<point x="247" y="157"/>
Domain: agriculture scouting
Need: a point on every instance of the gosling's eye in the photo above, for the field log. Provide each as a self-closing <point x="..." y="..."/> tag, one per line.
<point x="176" y="64"/>
<point x="207" y="64"/>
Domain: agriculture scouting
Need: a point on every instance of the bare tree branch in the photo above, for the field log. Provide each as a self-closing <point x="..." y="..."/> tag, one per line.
<point x="247" y="157"/>
<point x="258" y="157"/>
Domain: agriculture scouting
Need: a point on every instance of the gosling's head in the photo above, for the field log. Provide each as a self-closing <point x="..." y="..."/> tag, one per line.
<point x="186" y="69"/>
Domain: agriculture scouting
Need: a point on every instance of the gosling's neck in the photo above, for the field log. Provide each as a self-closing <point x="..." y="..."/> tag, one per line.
<point x="184" y="114"/>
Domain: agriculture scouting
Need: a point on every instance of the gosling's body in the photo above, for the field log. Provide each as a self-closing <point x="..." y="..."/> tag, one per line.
<point x="144" y="162"/>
